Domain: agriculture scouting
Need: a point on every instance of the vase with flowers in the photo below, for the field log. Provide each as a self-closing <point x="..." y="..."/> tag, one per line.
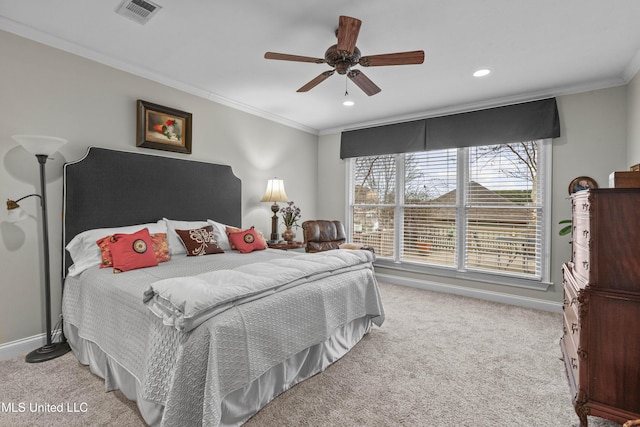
<point x="290" y="216"/>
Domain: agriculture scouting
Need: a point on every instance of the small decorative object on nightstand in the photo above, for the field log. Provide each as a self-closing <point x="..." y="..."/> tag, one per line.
<point x="290" y="216"/>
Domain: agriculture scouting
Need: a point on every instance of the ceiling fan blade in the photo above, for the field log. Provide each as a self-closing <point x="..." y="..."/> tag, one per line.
<point x="399" y="58"/>
<point x="363" y="82"/>
<point x="348" y="29"/>
<point x="315" y="82"/>
<point x="297" y="58"/>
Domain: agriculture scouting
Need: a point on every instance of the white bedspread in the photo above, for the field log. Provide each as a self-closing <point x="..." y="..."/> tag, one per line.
<point x="190" y="371"/>
<point x="186" y="302"/>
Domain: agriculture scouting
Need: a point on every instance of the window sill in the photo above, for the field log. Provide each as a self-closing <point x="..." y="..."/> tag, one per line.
<point x="495" y="279"/>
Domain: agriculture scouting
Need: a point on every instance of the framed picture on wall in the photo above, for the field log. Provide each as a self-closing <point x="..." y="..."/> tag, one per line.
<point x="163" y="128"/>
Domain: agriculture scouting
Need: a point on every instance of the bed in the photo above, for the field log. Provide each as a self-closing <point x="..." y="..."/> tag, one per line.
<point x="198" y="340"/>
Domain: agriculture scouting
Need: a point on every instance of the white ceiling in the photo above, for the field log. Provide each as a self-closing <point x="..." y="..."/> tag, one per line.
<point x="215" y="48"/>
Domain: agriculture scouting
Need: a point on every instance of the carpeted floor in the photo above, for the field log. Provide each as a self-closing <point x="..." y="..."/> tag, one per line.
<point x="438" y="360"/>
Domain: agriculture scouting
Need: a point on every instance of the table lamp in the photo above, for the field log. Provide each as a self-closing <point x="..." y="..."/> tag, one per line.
<point x="275" y="193"/>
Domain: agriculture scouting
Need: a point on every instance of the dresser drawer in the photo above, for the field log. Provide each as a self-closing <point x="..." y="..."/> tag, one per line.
<point x="581" y="263"/>
<point x="581" y="205"/>
<point x="571" y="313"/>
<point x="582" y="231"/>
<point x="569" y="277"/>
<point x="572" y="324"/>
<point x="570" y="355"/>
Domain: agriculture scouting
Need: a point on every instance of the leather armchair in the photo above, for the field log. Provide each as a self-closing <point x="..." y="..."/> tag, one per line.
<point x="322" y="235"/>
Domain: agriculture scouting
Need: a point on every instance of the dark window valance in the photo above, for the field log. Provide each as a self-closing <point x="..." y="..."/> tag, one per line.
<point x="501" y="125"/>
<point x="389" y="139"/>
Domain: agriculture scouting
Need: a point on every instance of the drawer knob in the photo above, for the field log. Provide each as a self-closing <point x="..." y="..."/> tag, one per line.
<point x="574" y="363"/>
<point x="585" y="233"/>
<point x="585" y="265"/>
<point x="585" y="206"/>
<point x="574" y="327"/>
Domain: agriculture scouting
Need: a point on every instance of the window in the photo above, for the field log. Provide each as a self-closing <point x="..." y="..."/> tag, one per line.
<point x="476" y="210"/>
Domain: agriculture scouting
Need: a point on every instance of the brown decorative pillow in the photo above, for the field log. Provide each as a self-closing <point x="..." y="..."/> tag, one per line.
<point x="199" y="241"/>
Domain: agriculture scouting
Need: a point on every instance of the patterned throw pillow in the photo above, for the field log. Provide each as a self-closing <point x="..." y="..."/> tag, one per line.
<point x="246" y="241"/>
<point x="199" y="241"/>
<point x="132" y="251"/>
<point x="158" y="241"/>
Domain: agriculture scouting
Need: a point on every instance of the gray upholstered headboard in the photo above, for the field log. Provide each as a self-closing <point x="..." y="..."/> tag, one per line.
<point x="110" y="188"/>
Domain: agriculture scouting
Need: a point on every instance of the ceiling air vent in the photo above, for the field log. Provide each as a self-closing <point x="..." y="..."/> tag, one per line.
<point x="138" y="10"/>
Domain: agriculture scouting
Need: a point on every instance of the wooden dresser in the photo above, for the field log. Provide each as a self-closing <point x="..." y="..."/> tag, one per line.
<point x="601" y="341"/>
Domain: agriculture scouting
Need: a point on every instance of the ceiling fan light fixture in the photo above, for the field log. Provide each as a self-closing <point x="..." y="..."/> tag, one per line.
<point x="348" y="101"/>
<point x="482" y="72"/>
<point x="345" y="54"/>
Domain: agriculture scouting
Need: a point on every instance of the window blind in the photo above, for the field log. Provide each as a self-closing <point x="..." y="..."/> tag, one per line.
<point x="504" y="210"/>
<point x="473" y="209"/>
<point x="374" y="198"/>
<point x="430" y="207"/>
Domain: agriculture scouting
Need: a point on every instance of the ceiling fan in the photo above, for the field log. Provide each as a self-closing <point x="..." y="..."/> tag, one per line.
<point x="344" y="55"/>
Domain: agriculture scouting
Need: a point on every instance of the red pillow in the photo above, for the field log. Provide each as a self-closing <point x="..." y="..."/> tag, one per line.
<point x="230" y="230"/>
<point x="199" y="241"/>
<point x="247" y="241"/>
<point x="131" y="251"/>
<point x="160" y="249"/>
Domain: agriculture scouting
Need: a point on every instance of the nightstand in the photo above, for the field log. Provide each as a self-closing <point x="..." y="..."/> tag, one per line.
<point x="287" y="246"/>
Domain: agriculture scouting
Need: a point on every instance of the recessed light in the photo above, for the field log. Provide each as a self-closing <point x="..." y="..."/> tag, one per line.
<point x="348" y="103"/>
<point x="482" y="72"/>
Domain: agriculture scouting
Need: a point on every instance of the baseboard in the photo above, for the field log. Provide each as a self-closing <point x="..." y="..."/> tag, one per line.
<point x="519" y="301"/>
<point x="23" y="346"/>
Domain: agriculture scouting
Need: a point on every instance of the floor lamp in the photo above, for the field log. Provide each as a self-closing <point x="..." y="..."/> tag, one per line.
<point x="274" y="193"/>
<point x="42" y="147"/>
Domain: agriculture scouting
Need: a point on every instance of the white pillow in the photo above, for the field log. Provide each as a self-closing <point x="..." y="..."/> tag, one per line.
<point x="85" y="252"/>
<point x="175" y="244"/>
<point x="220" y="233"/>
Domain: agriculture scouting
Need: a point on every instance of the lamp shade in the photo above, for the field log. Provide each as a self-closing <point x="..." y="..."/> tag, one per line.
<point x="16" y="214"/>
<point x="39" y="144"/>
<point x="275" y="191"/>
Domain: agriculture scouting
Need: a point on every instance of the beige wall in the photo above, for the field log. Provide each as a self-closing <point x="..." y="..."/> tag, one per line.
<point x="331" y="178"/>
<point x="47" y="91"/>
<point x="593" y="143"/>
<point x="633" y="96"/>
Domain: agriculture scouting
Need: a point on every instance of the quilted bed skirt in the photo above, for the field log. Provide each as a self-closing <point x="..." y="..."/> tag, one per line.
<point x="238" y="406"/>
